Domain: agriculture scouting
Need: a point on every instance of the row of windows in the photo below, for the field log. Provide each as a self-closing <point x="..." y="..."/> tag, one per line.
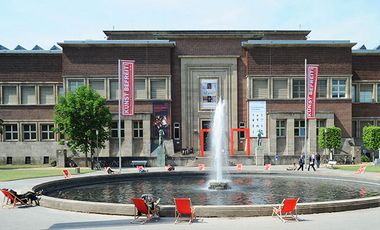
<point x="366" y="93"/>
<point x="286" y="88"/>
<point x="299" y="127"/>
<point x="27" y="94"/>
<point x="29" y="132"/>
<point x="145" y="88"/>
<point x="28" y="160"/>
<point x="358" y="125"/>
<point x="137" y="129"/>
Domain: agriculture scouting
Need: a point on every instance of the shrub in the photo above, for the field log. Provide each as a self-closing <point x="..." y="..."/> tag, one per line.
<point x="53" y="163"/>
<point x="364" y="158"/>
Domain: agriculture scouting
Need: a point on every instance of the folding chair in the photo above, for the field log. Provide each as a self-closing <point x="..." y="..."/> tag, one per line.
<point x="12" y="199"/>
<point x="361" y="170"/>
<point x="287" y="209"/>
<point x="141" y="208"/>
<point x="183" y="208"/>
<point x="267" y="166"/>
<point x="201" y="167"/>
<point x="141" y="169"/>
<point x="239" y="167"/>
<point x="66" y="174"/>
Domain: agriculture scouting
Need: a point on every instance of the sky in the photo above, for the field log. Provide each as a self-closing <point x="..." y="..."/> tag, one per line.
<point x="46" y="22"/>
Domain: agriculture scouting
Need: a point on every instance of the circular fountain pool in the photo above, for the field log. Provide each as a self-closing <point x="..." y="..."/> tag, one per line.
<point x="246" y="189"/>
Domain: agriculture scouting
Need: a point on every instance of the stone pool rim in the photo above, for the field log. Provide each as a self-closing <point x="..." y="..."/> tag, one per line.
<point x="202" y="210"/>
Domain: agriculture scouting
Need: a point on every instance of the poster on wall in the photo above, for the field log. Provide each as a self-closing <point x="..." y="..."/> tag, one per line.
<point x="209" y="93"/>
<point x="161" y="119"/>
<point x="258" y="118"/>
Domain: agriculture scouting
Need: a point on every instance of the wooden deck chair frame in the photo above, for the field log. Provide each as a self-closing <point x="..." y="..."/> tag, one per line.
<point x="142" y="208"/>
<point x="183" y="208"/>
<point x="66" y="174"/>
<point x="11" y="200"/>
<point x="361" y="169"/>
<point x="287" y="210"/>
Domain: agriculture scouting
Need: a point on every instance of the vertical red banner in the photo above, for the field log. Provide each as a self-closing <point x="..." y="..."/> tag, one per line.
<point x="311" y="90"/>
<point x="127" y="87"/>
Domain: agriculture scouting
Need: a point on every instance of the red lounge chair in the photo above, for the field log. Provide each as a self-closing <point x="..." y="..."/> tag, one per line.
<point x="141" y="209"/>
<point x="11" y="199"/>
<point x="66" y="174"/>
<point x="267" y="166"/>
<point x="239" y="167"/>
<point x="183" y="208"/>
<point x="201" y="167"/>
<point x="287" y="209"/>
<point x="361" y="170"/>
<point x="141" y="169"/>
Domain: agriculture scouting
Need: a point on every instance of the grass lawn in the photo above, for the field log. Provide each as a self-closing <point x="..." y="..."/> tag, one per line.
<point x="370" y="168"/>
<point x="17" y="172"/>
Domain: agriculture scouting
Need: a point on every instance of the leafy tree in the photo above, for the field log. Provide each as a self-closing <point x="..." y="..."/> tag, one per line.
<point x="330" y="138"/>
<point x="371" y="138"/>
<point x="78" y="116"/>
<point x="1" y="126"/>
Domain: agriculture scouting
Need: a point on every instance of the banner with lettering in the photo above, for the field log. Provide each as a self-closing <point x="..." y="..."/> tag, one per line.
<point x="127" y="89"/>
<point x="311" y="90"/>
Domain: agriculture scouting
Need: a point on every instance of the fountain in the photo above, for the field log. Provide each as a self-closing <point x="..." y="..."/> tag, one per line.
<point x="218" y="147"/>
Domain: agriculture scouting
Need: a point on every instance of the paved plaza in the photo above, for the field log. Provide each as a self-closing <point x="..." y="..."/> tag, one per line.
<point x="45" y="218"/>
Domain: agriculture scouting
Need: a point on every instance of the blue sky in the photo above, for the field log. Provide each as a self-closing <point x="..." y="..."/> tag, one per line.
<point x="46" y="22"/>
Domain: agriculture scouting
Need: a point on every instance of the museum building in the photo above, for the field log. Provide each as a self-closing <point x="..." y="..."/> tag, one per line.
<point x="179" y="77"/>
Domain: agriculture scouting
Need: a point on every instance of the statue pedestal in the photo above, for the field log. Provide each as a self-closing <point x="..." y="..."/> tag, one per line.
<point x="161" y="156"/>
<point x="259" y="155"/>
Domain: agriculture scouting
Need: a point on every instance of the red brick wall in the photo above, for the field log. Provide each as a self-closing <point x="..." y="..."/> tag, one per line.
<point x="366" y="67"/>
<point x="30" y="67"/>
<point x="291" y="60"/>
<point x="30" y="113"/>
<point x="104" y="60"/>
<point x="366" y="110"/>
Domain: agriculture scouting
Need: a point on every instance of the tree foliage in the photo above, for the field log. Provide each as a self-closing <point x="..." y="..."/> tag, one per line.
<point x="79" y="115"/>
<point x="371" y="137"/>
<point x="330" y="138"/>
<point x="1" y="126"/>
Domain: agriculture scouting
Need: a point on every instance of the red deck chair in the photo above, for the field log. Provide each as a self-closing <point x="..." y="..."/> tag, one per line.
<point x="183" y="208"/>
<point x="361" y="170"/>
<point x="239" y="167"/>
<point x="287" y="210"/>
<point x="11" y="199"/>
<point x="66" y="174"/>
<point x="201" y="167"/>
<point x="141" y="209"/>
<point x="141" y="169"/>
<point x="267" y="166"/>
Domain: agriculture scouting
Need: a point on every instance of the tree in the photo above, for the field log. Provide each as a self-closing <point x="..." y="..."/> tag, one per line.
<point x="330" y="138"/>
<point x="84" y="119"/>
<point x="1" y="126"/>
<point x="371" y="138"/>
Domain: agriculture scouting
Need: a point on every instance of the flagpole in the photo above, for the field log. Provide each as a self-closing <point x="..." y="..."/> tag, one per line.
<point x="305" y="110"/>
<point x="119" y="123"/>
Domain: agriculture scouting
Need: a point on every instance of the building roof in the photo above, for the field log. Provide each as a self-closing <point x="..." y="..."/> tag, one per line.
<point x="299" y="43"/>
<point x="30" y="51"/>
<point x="137" y="43"/>
<point x="361" y="52"/>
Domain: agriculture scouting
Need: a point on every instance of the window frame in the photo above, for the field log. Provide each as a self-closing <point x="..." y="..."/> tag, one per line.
<point x="153" y="79"/>
<point x="17" y="94"/>
<point x="299" y="130"/>
<point x="360" y="93"/>
<point x="68" y="89"/>
<point x="48" y="132"/>
<point x="253" y="87"/>
<point x="176" y="127"/>
<point x="287" y="88"/>
<point x="281" y="129"/>
<point x="39" y="94"/>
<point x="138" y="132"/>
<point x="30" y="132"/>
<point x="338" y="86"/>
<point x="12" y="132"/>
<point x="103" y="80"/>
<point x="300" y="88"/>
<point x="115" y="129"/>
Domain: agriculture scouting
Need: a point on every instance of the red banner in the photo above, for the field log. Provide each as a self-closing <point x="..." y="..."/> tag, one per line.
<point x="311" y="90"/>
<point x="127" y="87"/>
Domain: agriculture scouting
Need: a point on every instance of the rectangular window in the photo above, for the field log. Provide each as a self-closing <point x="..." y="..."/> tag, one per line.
<point x="114" y="89"/>
<point x="322" y="89"/>
<point x="140" y="89"/>
<point x="98" y="86"/>
<point x="281" y="128"/>
<point x="11" y="132"/>
<point x="30" y="132"/>
<point x="241" y="133"/>
<point x="46" y="160"/>
<point x="28" y="160"/>
<point x="365" y="94"/>
<point x="378" y="93"/>
<point x="177" y="131"/>
<point x="364" y="124"/>
<point x="9" y="160"/>
<point x="338" y="88"/>
<point x="321" y="124"/>
<point x="28" y="95"/>
<point x="61" y="91"/>
<point x="280" y="88"/>
<point x="137" y="129"/>
<point x="260" y="88"/>
<point x="47" y="132"/>
<point x="158" y="89"/>
<point x="10" y="95"/>
<point x="46" y="95"/>
<point x="114" y="129"/>
<point x="74" y="84"/>
<point x="298" y="88"/>
<point x="353" y="93"/>
<point x="299" y="128"/>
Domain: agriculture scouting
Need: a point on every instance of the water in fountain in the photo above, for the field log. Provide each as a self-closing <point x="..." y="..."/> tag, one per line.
<point x="219" y="147"/>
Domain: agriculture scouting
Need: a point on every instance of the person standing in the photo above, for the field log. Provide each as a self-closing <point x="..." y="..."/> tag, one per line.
<point x="311" y="162"/>
<point x="301" y="162"/>
<point x="318" y="159"/>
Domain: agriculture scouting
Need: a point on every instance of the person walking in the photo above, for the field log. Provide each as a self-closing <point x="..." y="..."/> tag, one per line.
<point x="301" y="162"/>
<point x="318" y="159"/>
<point x="311" y="162"/>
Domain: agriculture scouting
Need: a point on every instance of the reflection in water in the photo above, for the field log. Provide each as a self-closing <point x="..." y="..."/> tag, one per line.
<point x="245" y="189"/>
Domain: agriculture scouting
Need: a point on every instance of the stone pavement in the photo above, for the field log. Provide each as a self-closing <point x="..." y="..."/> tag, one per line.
<point x="44" y="218"/>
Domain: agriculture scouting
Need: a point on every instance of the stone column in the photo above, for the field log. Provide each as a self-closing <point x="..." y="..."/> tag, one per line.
<point x="290" y="136"/>
<point x="312" y="134"/>
<point x="272" y="135"/>
<point x="127" y="145"/>
<point x="146" y="135"/>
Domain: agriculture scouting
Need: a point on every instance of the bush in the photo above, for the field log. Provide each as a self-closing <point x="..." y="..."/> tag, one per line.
<point x="53" y="163"/>
<point x="364" y="158"/>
